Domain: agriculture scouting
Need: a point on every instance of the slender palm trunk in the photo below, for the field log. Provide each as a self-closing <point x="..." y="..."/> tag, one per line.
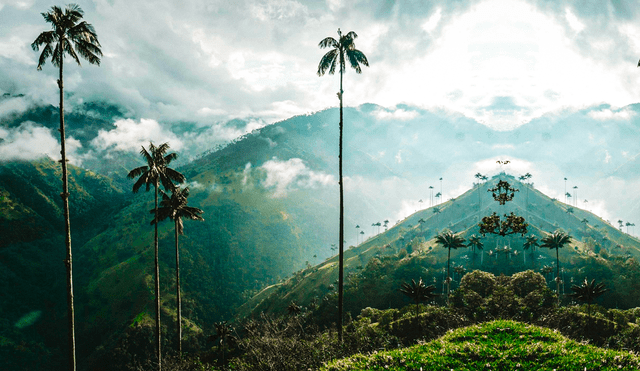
<point x="179" y="302"/>
<point x="67" y="228"/>
<point x="157" y="273"/>
<point x="558" y="274"/>
<point x="448" y="279"/>
<point x="341" y="234"/>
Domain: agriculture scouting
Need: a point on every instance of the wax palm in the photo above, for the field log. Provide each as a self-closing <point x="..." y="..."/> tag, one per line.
<point x="224" y="334"/>
<point x="175" y="208"/>
<point x="531" y="243"/>
<point x="342" y="49"/>
<point x="588" y="292"/>
<point x="155" y="172"/>
<point x="418" y="292"/>
<point x="70" y="37"/>
<point x="557" y="240"/>
<point x="475" y="244"/>
<point x="449" y="241"/>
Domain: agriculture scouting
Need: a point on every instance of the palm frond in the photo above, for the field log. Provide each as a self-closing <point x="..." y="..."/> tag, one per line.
<point x="137" y="171"/>
<point x="46" y="37"/>
<point x="328" y="62"/>
<point x="68" y="47"/>
<point x="46" y="53"/>
<point x="144" y="179"/>
<point x="356" y="57"/>
<point x="328" y="42"/>
<point x="175" y="175"/>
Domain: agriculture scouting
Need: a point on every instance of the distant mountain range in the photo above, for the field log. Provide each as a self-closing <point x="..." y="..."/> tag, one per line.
<point x="270" y="202"/>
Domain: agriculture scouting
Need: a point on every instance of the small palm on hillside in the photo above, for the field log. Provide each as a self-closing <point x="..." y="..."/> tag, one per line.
<point x="531" y="243"/>
<point x="175" y="208"/>
<point x="557" y="240"/>
<point x="475" y="244"/>
<point x="449" y="241"/>
<point x="418" y="292"/>
<point x="224" y="335"/>
<point x="588" y="292"/>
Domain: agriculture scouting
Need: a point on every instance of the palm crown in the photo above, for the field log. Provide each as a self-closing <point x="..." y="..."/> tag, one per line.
<point x="175" y="208"/>
<point x="344" y="46"/>
<point x="156" y="170"/>
<point x="68" y="36"/>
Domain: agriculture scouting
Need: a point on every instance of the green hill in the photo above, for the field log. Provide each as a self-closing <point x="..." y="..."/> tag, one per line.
<point x="496" y="345"/>
<point x="376" y="268"/>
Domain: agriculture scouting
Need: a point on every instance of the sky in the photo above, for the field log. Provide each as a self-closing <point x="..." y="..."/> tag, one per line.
<point x="502" y="63"/>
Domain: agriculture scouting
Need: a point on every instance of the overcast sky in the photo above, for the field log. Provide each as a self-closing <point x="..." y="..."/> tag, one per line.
<point x="502" y="63"/>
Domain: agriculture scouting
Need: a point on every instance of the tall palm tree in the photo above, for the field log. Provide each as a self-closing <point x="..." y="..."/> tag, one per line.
<point x="175" y="208"/>
<point x="575" y="193"/>
<point x="531" y="243"/>
<point x="418" y="292"/>
<point x="421" y="222"/>
<point x="475" y="244"/>
<point x="69" y="36"/>
<point x="588" y="292"/>
<point x="155" y="172"/>
<point x="449" y="241"/>
<point x="342" y="49"/>
<point x="556" y="240"/>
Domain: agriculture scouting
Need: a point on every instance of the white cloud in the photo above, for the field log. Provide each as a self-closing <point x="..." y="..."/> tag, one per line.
<point x="293" y="173"/>
<point x="608" y="114"/>
<point x="433" y="21"/>
<point x="394" y="114"/>
<point x="30" y="141"/>
<point x="130" y="135"/>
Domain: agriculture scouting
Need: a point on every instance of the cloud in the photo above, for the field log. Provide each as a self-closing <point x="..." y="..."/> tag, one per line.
<point x="30" y="141"/>
<point x="607" y="114"/>
<point x="129" y="136"/>
<point x="395" y="114"/>
<point x="283" y="176"/>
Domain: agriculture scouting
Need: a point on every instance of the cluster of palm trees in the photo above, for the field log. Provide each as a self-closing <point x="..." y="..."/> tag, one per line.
<point x="174" y="207"/>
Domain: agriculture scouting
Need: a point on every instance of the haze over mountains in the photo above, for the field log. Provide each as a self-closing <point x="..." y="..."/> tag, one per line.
<point x="269" y="199"/>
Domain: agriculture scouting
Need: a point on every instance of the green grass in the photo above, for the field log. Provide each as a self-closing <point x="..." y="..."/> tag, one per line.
<point x="497" y="345"/>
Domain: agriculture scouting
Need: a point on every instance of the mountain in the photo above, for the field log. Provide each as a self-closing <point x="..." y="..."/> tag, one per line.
<point x="376" y="268"/>
<point x="270" y="200"/>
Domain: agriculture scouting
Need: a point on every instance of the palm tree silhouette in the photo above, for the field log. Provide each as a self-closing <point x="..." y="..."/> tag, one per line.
<point x="531" y="243"/>
<point x="556" y="240"/>
<point x="155" y="172"/>
<point x="175" y="208"/>
<point x="70" y="37"/>
<point x="418" y="292"/>
<point x="588" y="292"/>
<point x="475" y="244"/>
<point x="342" y="49"/>
<point x="223" y="336"/>
<point x="620" y="224"/>
<point x="449" y="241"/>
<point x="421" y="222"/>
<point x="575" y="193"/>
<point x="438" y="195"/>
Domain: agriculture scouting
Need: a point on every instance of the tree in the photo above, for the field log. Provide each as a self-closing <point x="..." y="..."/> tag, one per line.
<point x="575" y="193"/>
<point x="293" y="309"/>
<point x="620" y="224"/>
<point x="223" y="336"/>
<point x="449" y="241"/>
<point x="531" y="243"/>
<point x="588" y="292"/>
<point x="421" y="222"/>
<point x="556" y="240"/>
<point x="438" y="195"/>
<point x="70" y="37"/>
<point x="475" y="244"/>
<point x="155" y="172"/>
<point x="418" y="292"/>
<point x="175" y="208"/>
<point x="430" y="195"/>
<point x="341" y="49"/>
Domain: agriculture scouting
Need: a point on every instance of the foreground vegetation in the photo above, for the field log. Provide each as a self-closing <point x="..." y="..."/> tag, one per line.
<point x="496" y="321"/>
<point x="496" y="345"/>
